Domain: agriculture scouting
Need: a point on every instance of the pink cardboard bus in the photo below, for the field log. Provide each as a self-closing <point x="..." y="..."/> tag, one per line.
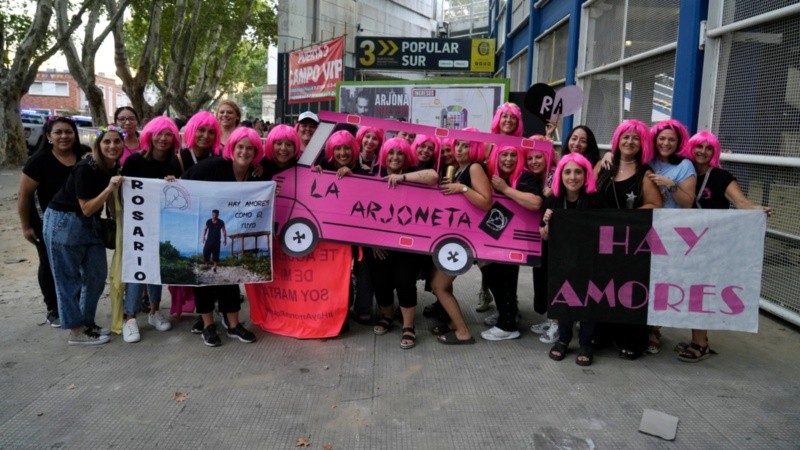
<point x="362" y="210"/>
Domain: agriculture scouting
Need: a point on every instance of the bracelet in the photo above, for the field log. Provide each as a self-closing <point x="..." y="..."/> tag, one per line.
<point x="404" y="176"/>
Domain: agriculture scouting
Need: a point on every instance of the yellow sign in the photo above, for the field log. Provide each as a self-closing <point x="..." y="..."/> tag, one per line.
<point x="482" y="59"/>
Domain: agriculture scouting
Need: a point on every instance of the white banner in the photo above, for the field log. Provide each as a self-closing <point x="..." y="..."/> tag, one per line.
<point x="705" y="268"/>
<point x="196" y="232"/>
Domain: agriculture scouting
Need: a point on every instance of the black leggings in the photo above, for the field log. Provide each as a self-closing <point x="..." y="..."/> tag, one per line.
<point x="502" y="280"/>
<point x="226" y="295"/>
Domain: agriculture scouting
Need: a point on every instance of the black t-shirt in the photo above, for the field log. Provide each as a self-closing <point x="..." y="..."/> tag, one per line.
<point x="214" y="232"/>
<point x="625" y="194"/>
<point x="463" y="176"/>
<point x="188" y="158"/>
<point x="528" y="182"/>
<point x="713" y="195"/>
<point x="217" y="169"/>
<point x="271" y="169"/>
<point x="45" y="169"/>
<point x="331" y="165"/>
<point x="585" y="201"/>
<point x="85" y="182"/>
<point x="138" y="166"/>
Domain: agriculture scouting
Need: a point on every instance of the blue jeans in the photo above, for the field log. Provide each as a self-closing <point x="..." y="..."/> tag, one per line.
<point x="133" y="293"/>
<point x="78" y="259"/>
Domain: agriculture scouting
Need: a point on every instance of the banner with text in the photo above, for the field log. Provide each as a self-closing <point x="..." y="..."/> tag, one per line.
<point x="315" y="70"/>
<point x="678" y="268"/>
<point x="196" y="233"/>
<point x="309" y="297"/>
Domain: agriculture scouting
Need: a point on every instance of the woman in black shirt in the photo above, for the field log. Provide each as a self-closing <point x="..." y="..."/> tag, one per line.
<point x="202" y="135"/>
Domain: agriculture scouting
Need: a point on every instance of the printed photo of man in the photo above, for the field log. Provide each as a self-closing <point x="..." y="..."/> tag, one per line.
<point x="213" y="231"/>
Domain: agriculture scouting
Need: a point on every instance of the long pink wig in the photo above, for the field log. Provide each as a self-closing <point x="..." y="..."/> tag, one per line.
<point x="241" y="133"/>
<point x="362" y="131"/>
<point x="279" y="132"/>
<point x="507" y="107"/>
<point x="590" y="186"/>
<point x="156" y="126"/>
<point x="402" y="144"/>
<point x="703" y="137"/>
<point x="340" y="138"/>
<point x="493" y="163"/>
<point x="677" y="127"/>
<point x="202" y="119"/>
<point x="549" y="162"/>
<point x="645" y="155"/>
<point x="477" y="150"/>
<point x="421" y="139"/>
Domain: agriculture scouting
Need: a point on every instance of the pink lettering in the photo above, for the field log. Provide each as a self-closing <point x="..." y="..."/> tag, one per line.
<point x="732" y="300"/>
<point x="688" y="235"/>
<point x="567" y="296"/>
<point x="661" y="297"/>
<point x="597" y="295"/>
<point x="652" y="243"/>
<point x="627" y="298"/>
<point x="607" y="242"/>
<point x="696" y="294"/>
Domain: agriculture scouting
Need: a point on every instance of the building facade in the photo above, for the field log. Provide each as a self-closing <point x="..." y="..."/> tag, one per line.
<point x="728" y="66"/>
<point x="58" y="92"/>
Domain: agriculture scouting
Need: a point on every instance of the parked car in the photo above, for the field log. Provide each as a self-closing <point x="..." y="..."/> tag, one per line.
<point x="360" y="209"/>
<point x="33" y="126"/>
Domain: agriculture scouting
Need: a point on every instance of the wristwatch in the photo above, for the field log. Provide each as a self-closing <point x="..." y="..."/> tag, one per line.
<point x="464" y="189"/>
<point x="673" y="188"/>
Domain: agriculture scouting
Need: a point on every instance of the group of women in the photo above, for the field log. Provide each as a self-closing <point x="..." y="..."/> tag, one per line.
<point x="62" y="194"/>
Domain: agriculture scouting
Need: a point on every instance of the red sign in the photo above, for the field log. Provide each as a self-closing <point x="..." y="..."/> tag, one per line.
<point x="314" y="71"/>
<point x="308" y="297"/>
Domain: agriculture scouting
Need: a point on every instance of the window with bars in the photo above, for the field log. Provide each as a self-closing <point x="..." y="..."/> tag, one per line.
<point x="551" y="55"/>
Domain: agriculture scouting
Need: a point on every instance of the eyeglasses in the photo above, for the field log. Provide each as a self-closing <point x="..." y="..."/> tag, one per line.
<point x="126" y="119"/>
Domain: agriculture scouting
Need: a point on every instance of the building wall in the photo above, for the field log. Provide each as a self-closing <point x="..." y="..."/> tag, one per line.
<point x="75" y="99"/>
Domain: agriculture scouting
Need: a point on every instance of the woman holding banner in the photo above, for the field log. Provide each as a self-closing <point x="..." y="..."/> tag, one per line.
<point x="627" y="185"/>
<point x="573" y="188"/>
<point x="393" y="270"/>
<point x="160" y="141"/>
<point x="506" y="166"/>
<point x="242" y="152"/>
<point x="716" y="188"/>
<point x="471" y="181"/>
<point x="72" y="237"/>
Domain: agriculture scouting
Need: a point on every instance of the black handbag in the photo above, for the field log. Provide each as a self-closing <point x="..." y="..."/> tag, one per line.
<point x="108" y="230"/>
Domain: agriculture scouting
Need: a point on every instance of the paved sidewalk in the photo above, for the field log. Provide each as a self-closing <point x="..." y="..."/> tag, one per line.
<point x="361" y="391"/>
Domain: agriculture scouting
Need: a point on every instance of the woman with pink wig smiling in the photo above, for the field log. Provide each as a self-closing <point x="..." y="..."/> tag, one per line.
<point x="507" y="120"/>
<point x="160" y="141"/>
<point x="674" y="175"/>
<point x="281" y="151"/>
<point x="241" y="154"/>
<point x="506" y="166"/>
<point x="370" y="140"/>
<point x="202" y="135"/>
<point x="716" y="189"/>
<point x="340" y="154"/>
<point x="393" y="270"/>
<point x="470" y="181"/>
<point x="627" y="185"/>
<point x="573" y="188"/>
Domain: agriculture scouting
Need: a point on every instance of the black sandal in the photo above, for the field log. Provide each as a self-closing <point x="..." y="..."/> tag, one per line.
<point x="558" y="351"/>
<point x="408" y="339"/>
<point x="587" y="353"/>
<point x="630" y="355"/>
<point x="383" y="326"/>
<point x="441" y="329"/>
<point x="695" y="353"/>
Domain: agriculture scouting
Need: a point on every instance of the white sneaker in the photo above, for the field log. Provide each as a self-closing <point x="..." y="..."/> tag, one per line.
<point x="485" y="299"/>
<point x="130" y="331"/>
<point x="158" y="321"/>
<point x="498" y="334"/>
<point x="491" y="319"/>
<point x="551" y="336"/>
<point x="541" y="327"/>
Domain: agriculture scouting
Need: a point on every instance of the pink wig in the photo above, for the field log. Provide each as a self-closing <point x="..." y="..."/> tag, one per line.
<point x="677" y="127"/>
<point x="703" y="137"/>
<point x="549" y="161"/>
<point x="421" y="139"/>
<point x="279" y="132"/>
<point x="402" y="144"/>
<point x="341" y="137"/>
<point x="590" y="186"/>
<point x="493" y="163"/>
<point x="156" y="126"/>
<point x="477" y="150"/>
<point x="202" y="119"/>
<point x="645" y="155"/>
<point x="507" y="107"/>
<point x="241" y="133"/>
<point x="362" y="131"/>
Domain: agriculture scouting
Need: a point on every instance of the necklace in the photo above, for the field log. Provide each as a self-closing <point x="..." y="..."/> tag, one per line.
<point x="622" y="161"/>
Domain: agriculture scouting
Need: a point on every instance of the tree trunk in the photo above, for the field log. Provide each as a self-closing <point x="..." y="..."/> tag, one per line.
<point x="13" y="147"/>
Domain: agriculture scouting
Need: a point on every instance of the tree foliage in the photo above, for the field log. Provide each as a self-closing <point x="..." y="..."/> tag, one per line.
<point x="205" y="48"/>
